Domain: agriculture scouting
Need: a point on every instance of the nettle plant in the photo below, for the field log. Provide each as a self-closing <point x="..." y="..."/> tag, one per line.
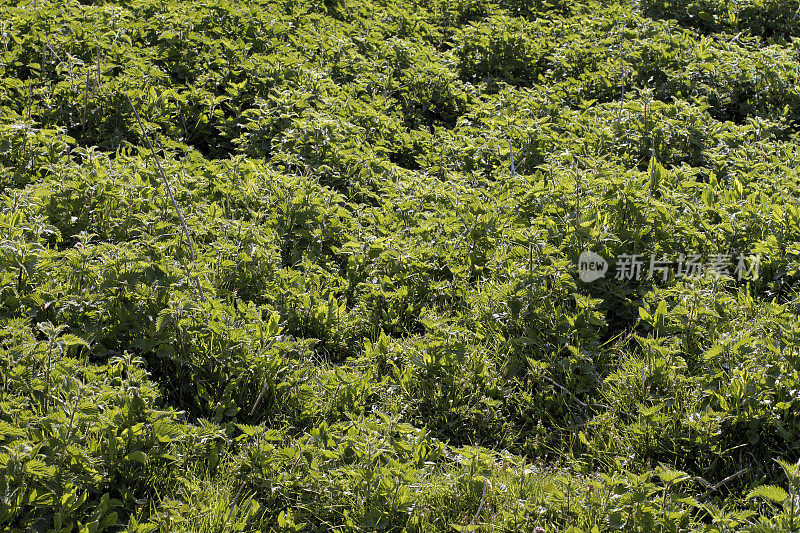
<point x="301" y="266"/>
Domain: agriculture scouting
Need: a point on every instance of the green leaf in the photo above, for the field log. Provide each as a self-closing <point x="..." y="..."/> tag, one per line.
<point x="73" y="340"/>
<point x="634" y="106"/>
<point x="707" y="17"/>
<point x="137" y="455"/>
<point x="768" y="492"/>
<point x="7" y="430"/>
<point x="669" y="476"/>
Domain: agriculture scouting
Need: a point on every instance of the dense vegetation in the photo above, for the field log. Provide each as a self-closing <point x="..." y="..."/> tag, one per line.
<point x="355" y="301"/>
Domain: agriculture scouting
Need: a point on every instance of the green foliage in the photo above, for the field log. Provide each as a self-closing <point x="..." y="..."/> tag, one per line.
<point x="763" y="18"/>
<point x="378" y="322"/>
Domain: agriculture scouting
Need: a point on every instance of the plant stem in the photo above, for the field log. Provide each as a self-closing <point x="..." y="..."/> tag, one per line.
<point x="169" y="192"/>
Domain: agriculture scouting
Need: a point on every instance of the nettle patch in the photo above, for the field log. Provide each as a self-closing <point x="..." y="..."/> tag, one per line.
<point x="303" y="266"/>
